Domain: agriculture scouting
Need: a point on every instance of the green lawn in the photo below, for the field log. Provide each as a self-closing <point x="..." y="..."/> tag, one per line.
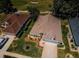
<point x="18" y="48"/>
<point x="63" y="52"/>
<point x="43" y="5"/>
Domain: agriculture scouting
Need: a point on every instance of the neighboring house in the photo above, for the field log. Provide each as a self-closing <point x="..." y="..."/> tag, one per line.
<point x="74" y="26"/>
<point x="12" y="25"/>
<point x="15" y="22"/>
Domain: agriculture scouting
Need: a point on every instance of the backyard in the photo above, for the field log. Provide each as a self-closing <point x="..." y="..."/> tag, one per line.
<point x="43" y="5"/>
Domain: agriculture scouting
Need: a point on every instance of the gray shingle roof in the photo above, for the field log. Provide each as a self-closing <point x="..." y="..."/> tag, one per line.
<point x="74" y="24"/>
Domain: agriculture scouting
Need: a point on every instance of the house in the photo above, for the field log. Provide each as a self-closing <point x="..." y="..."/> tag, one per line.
<point x="74" y="26"/>
<point x="15" y="22"/>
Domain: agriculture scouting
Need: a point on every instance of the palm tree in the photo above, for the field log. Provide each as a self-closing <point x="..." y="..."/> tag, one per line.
<point x="33" y="9"/>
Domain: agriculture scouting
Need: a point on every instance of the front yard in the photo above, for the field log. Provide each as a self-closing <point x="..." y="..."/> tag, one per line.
<point x="28" y="48"/>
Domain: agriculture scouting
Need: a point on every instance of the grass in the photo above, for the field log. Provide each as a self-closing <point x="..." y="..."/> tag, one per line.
<point x="17" y="46"/>
<point x="43" y="5"/>
<point x="34" y="52"/>
<point x="63" y="52"/>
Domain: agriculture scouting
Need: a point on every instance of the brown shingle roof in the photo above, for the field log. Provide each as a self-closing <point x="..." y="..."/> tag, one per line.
<point x="15" y="21"/>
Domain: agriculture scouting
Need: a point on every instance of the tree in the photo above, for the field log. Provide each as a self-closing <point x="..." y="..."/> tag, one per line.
<point x="34" y="12"/>
<point x="33" y="9"/>
<point x="6" y="6"/>
<point x="65" y="8"/>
